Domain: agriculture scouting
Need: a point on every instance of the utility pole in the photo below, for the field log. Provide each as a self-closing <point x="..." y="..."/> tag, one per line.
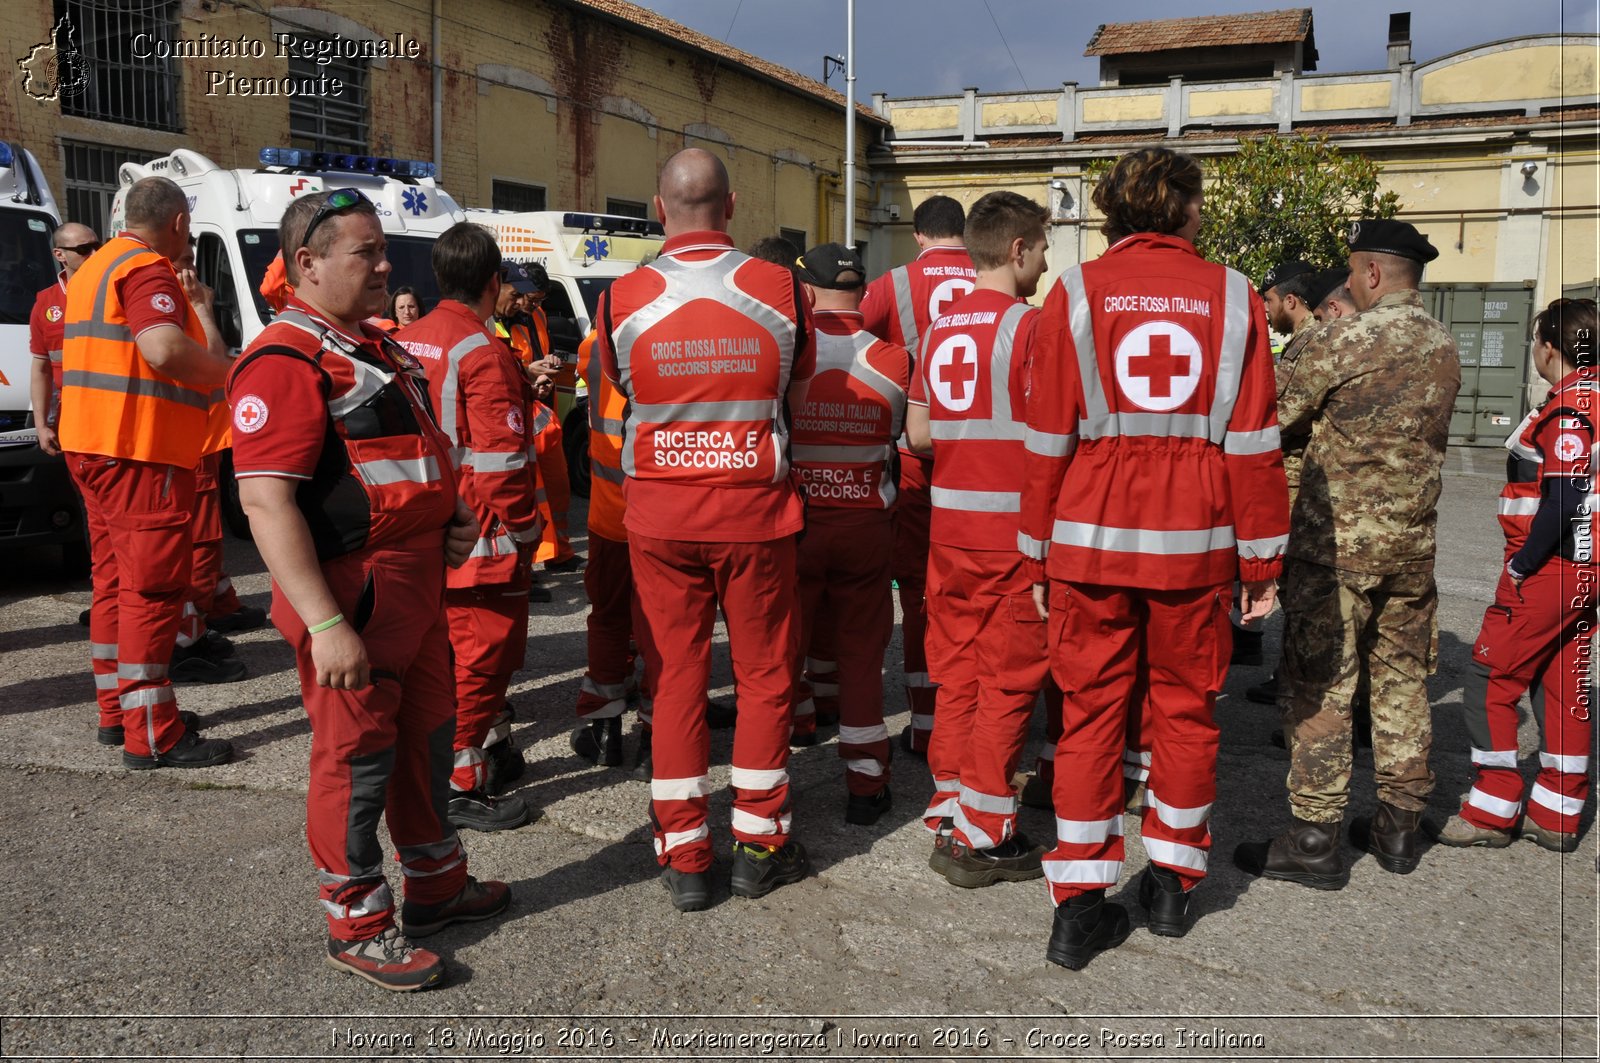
<point x="850" y="125"/>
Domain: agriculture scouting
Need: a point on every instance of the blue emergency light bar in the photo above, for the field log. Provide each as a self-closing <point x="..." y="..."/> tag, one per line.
<point x="612" y="223"/>
<point x="378" y="165"/>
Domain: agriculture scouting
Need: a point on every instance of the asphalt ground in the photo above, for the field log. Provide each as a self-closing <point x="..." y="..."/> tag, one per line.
<point x="174" y="914"/>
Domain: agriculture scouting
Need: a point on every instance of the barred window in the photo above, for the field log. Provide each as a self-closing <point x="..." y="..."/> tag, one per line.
<point x="92" y="181"/>
<point x="112" y="52"/>
<point x="627" y="208"/>
<point x="325" y="122"/>
<point x="509" y="195"/>
<point x="797" y="237"/>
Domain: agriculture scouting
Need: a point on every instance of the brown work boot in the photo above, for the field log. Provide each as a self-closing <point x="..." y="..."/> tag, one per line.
<point x="1391" y="836"/>
<point x="1463" y="835"/>
<point x="1307" y="853"/>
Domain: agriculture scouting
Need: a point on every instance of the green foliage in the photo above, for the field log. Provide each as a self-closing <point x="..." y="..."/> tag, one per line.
<point x="1287" y="197"/>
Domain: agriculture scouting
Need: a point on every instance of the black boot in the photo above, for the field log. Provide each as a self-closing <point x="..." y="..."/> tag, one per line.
<point x="643" y="768"/>
<point x="1391" y="836"/>
<point x="600" y="742"/>
<point x="1084" y="925"/>
<point x="1162" y="895"/>
<point x="1307" y="853"/>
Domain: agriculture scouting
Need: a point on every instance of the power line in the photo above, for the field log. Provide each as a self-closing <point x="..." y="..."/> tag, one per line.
<point x="1023" y="81"/>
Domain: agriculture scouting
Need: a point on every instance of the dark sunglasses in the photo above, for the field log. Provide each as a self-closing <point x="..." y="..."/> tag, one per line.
<point x="338" y="201"/>
<point x="82" y="249"/>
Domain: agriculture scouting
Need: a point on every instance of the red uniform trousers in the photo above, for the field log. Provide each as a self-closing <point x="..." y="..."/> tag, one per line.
<point x="613" y="620"/>
<point x="552" y="458"/>
<point x="680" y="585"/>
<point x="488" y="640"/>
<point x="139" y="516"/>
<point x="986" y="646"/>
<point x="384" y="750"/>
<point x="843" y="565"/>
<point x="1106" y="645"/>
<point x="913" y="510"/>
<point x="1045" y="764"/>
<point x="205" y="575"/>
<point x="1539" y="639"/>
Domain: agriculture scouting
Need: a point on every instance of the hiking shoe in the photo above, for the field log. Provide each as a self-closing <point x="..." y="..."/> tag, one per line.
<point x="1014" y="860"/>
<point x="476" y="810"/>
<point x="760" y="869"/>
<point x="1135" y="790"/>
<point x="388" y="961"/>
<point x="244" y="618"/>
<point x="190" y="664"/>
<point x="215" y="646"/>
<point x="643" y="765"/>
<point x="720" y="715"/>
<point x="1463" y="835"/>
<point x="1084" y="925"/>
<point x="189" y="751"/>
<point x="866" y="809"/>
<point x="476" y="901"/>
<point x="690" y="890"/>
<point x="113" y="736"/>
<point x="1161" y="894"/>
<point x="599" y="742"/>
<point x="1306" y="853"/>
<point x="1554" y="840"/>
<point x="503" y="765"/>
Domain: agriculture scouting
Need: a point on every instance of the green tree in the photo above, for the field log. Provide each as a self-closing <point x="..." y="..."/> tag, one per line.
<point x="1287" y="197"/>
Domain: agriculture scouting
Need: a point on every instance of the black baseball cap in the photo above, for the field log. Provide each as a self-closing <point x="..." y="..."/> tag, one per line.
<point x="516" y="275"/>
<point x="1389" y="237"/>
<point x="832" y="266"/>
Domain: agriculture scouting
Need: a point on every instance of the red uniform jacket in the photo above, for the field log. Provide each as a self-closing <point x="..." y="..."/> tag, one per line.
<point x="1556" y="439"/>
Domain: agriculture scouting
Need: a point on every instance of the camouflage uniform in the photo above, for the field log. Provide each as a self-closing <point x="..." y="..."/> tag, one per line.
<point x="1294" y="447"/>
<point x="1375" y="394"/>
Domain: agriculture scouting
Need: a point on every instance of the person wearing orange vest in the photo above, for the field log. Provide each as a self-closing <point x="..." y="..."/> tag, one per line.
<point x="712" y="348"/>
<point x="70" y="245"/>
<point x="483" y="403"/>
<point x="140" y="357"/>
<point x="985" y="641"/>
<point x="898" y="307"/>
<point x="351" y="492"/>
<point x="844" y="449"/>
<point x="510" y="324"/>
<point x="1154" y="479"/>
<point x="531" y="308"/>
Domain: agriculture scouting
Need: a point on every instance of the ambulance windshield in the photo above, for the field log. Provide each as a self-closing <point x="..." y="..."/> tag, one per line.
<point x="411" y="257"/>
<point x="26" y="267"/>
<point x="590" y="288"/>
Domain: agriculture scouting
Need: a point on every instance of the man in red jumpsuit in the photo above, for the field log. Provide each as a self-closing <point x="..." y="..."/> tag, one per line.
<point x="1154" y="479"/>
<point x="483" y="405"/>
<point x="712" y="350"/>
<point x="141" y="355"/>
<point x="985" y="639"/>
<point x="351" y="493"/>
<point x="70" y="245"/>
<point x="843" y="449"/>
<point x="898" y="307"/>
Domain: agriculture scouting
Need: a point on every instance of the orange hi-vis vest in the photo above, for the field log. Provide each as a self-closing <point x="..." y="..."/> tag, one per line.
<point x="606" y="506"/>
<point x="219" y="425"/>
<point x="113" y="402"/>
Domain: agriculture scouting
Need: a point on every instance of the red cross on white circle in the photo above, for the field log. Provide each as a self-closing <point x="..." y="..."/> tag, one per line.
<point x="1568" y="447"/>
<point x="1158" y="366"/>
<point x="249" y="414"/>
<point x="953" y="372"/>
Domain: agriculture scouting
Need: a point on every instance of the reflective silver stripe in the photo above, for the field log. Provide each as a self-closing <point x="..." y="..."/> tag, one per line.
<point x="1265" y="441"/>
<point x="105" y="681"/>
<point x="1495" y="806"/>
<point x="609" y="426"/>
<point x="1142" y="540"/>
<point x="1495" y="758"/>
<point x="141" y="671"/>
<point x="103" y="651"/>
<point x="1518" y="507"/>
<point x="1230" y="359"/>
<point x="601" y="471"/>
<point x="1087" y="831"/>
<point x="481" y="461"/>
<point x="702" y="412"/>
<point x="860" y="736"/>
<point x="1175" y="853"/>
<point x="55" y="356"/>
<point x="1083" y="872"/>
<point x="499" y="546"/>
<point x="977" y="501"/>
<point x="684" y="789"/>
<point x="97" y="327"/>
<point x="1050" y="444"/>
<point x="1081" y="324"/>
<point x="541" y="420"/>
<point x="368" y="378"/>
<point x="145" y="697"/>
<point x="900" y="277"/>
<point x="860" y="455"/>
<point x="976" y="428"/>
<point x="1567" y="765"/>
<point x="1175" y="817"/>
<point x="1264" y="549"/>
<point x="979" y="801"/>
<point x="124" y="385"/>
<point x="532" y="535"/>
<point x="450" y="386"/>
<point x="386" y="471"/>
<point x="757" y="778"/>
<point x="1038" y="549"/>
<point x="1181" y="425"/>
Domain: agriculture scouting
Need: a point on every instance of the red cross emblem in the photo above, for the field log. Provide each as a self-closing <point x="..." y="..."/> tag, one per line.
<point x="952" y="367"/>
<point x="1158" y="366"/>
<point x="249" y="414"/>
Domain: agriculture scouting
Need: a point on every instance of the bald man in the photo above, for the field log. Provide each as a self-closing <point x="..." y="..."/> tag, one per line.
<point x="712" y="349"/>
<point x="70" y="245"/>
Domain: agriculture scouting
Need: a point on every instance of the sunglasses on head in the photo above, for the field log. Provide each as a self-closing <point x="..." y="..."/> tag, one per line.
<point x="338" y="201"/>
<point x="82" y="249"/>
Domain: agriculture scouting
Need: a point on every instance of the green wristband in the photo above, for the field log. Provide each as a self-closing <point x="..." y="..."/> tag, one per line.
<point x="317" y="629"/>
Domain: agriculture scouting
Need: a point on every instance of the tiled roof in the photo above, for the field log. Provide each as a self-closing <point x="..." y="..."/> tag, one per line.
<point x="1207" y="31"/>
<point x="661" y="26"/>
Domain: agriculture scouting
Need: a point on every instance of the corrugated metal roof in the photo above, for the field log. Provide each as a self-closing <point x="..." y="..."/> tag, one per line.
<point x="1208" y="31"/>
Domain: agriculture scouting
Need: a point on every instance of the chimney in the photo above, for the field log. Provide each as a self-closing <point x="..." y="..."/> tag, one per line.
<point x="1399" y="39"/>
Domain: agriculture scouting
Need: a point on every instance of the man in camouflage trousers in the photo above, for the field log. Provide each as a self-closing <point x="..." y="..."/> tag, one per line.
<point x="1375" y="393"/>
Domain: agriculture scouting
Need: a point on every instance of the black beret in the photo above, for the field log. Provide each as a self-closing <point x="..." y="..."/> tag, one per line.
<point x="1283" y="271"/>
<point x="1389" y="237"/>
<point x="1323" y="285"/>
<point x="832" y="266"/>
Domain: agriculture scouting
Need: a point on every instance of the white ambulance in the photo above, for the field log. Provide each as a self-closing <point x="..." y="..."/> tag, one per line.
<point x="38" y="505"/>
<point x="234" y="217"/>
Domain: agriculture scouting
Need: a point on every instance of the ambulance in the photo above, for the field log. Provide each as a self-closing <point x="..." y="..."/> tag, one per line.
<point x="583" y="254"/>
<point x="38" y="505"/>
<point x="234" y="215"/>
